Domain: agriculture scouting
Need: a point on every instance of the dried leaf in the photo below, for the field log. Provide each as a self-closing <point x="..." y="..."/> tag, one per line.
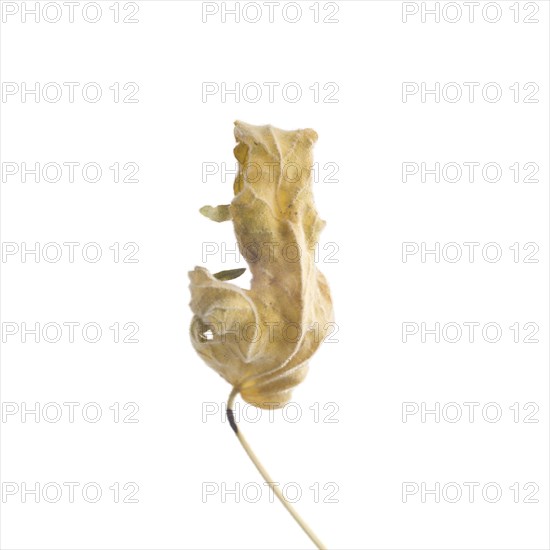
<point x="260" y="340"/>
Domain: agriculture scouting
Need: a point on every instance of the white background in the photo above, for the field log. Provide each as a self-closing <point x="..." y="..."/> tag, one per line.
<point x="370" y="372"/>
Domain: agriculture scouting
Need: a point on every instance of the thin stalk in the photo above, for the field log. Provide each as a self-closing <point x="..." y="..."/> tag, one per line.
<point x="265" y="475"/>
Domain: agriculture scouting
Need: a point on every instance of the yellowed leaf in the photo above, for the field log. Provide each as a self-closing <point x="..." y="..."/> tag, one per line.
<point x="260" y="340"/>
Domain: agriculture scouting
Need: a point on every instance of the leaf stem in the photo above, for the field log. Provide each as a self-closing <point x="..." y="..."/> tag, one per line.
<point x="265" y="475"/>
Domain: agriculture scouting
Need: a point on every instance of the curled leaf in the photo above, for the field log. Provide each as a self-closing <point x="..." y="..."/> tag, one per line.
<point x="260" y="340"/>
